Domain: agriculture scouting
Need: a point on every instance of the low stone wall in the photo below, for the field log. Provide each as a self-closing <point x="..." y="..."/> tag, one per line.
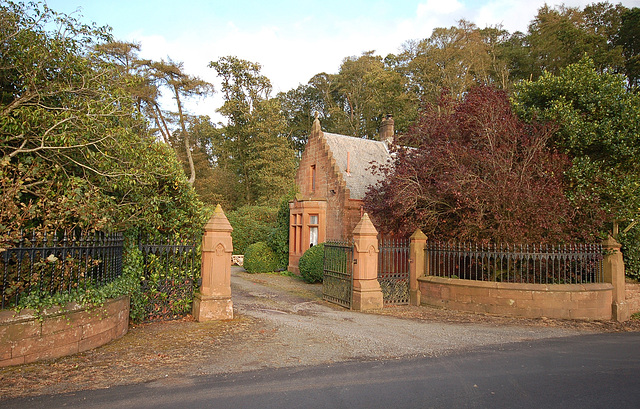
<point x="24" y="338"/>
<point x="565" y="301"/>
<point x="632" y="297"/>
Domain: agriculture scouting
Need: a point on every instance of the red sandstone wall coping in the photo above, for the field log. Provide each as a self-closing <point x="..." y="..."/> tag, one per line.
<point x="25" y="337"/>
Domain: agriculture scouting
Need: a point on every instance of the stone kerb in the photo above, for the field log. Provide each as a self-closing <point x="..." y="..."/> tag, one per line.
<point x="367" y="294"/>
<point x="213" y="300"/>
<point x="614" y="273"/>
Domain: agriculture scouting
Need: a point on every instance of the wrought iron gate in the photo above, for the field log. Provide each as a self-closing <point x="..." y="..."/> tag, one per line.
<point x="337" y="282"/>
<point x="393" y="271"/>
<point x="171" y="272"/>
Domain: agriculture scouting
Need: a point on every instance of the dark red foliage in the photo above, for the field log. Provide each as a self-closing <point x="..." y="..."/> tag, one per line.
<point x="478" y="173"/>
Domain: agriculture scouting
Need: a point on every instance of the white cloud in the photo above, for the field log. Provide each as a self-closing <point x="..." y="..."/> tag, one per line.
<point x="291" y="54"/>
<point x="438" y="7"/>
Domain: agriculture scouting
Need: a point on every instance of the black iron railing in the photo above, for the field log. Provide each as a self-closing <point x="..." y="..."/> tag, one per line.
<point x="542" y="264"/>
<point x="171" y="274"/>
<point x="58" y="263"/>
<point x="393" y="271"/>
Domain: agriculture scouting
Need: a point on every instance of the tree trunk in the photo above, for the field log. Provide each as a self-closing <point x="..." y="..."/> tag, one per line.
<point x="185" y="135"/>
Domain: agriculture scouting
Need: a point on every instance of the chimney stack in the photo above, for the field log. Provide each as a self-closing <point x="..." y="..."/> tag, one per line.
<point x="387" y="130"/>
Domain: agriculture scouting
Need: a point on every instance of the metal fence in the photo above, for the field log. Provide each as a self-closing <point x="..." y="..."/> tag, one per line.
<point x="542" y="264"/>
<point x="171" y="274"/>
<point x="57" y="263"/>
<point x="337" y="281"/>
<point x="393" y="271"/>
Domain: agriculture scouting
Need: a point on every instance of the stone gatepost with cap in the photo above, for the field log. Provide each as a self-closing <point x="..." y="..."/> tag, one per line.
<point x="417" y="264"/>
<point x="213" y="300"/>
<point x="614" y="273"/>
<point x="367" y="294"/>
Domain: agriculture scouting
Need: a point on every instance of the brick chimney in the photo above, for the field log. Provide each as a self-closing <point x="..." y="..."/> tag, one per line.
<point x="387" y="130"/>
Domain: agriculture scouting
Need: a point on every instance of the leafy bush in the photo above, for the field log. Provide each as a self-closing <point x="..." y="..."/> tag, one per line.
<point x="259" y="258"/>
<point x="251" y="224"/>
<point x="311" y="264"/>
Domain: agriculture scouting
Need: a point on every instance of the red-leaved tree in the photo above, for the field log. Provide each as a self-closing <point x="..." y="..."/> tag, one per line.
<point x="475" y="172"/>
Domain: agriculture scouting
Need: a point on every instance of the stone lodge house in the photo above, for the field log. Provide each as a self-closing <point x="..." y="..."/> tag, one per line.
<point x="332" y="179"/>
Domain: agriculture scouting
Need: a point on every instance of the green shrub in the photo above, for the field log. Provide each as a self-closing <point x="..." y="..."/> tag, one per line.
<point x="311" y="264"/>
<point x="259" y="258"/>
<point x="251" y="224"/>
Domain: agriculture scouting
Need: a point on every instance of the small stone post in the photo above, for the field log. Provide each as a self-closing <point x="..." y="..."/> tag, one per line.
<point x="367" y="294"/>
<point x="213" y="301"/>
<point x="417" y="264"/>
<point x="614" y="274"/>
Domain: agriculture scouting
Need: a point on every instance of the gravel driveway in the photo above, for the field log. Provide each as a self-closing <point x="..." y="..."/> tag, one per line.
<point x="308" y="332"/>
<point x="279" y="322"/>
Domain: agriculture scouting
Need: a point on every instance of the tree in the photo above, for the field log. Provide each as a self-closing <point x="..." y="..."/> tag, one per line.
<point x="352" y="102"/>
<point x="181" y="85"/>
<point x="74" y="151"/>
<point x="629" y="39"/>
<point x="253" y="146"/>
<point x="478" y="173"/>
<point x="455" y="59"/>
<point x="145" y="81"/>
<point x="299" y="107"/>
<point x="367" y="91"/>
<point x="210" y="183"/>
<point x="599" y="124"/>
<point x="562" y="36"/>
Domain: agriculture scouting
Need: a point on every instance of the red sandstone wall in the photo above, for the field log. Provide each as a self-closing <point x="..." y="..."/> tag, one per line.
<point x="565" y="301"/>
<point x="342" y="213"/>
<point x="632" y="297"/>
<point x="24" y="338"/>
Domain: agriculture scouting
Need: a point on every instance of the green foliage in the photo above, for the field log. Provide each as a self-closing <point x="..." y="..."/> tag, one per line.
<point x="168" y="283"/>
<point x="212" y="182"/>
<point x="251" y="224"/>
<point x="631" y="251"/>
<point x="259" y="258"/>
<point x="132" y="272"/>
<point x="74" y="150"/>
<point x="454" y="59"/>
<point x="599" y="128"/>
<point x="561" y="36"/>
<point x="311" y="264"/>
<point x="253" y="149"/>
<point x="278" y="238"/>
<point x="629" y="39"/>
<point x="599" y="124"/>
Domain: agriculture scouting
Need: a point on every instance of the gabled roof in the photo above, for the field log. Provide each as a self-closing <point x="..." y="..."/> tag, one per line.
<point x="361" y="153"/>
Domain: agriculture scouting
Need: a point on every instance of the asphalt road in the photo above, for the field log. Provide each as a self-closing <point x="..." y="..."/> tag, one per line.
<point x="585" y="371"/>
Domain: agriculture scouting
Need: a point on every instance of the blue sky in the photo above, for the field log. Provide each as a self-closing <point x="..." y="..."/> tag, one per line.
<point x="292" y="40"/>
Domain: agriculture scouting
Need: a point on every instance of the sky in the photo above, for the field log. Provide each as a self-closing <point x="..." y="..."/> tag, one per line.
<point x="291" y="39"/>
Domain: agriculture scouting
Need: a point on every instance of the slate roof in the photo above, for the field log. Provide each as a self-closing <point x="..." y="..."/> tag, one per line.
<point x="362" y="153"/>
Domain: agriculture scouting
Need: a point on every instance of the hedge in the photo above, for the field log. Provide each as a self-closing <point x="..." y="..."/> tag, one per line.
<point x="259" y="258"/>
